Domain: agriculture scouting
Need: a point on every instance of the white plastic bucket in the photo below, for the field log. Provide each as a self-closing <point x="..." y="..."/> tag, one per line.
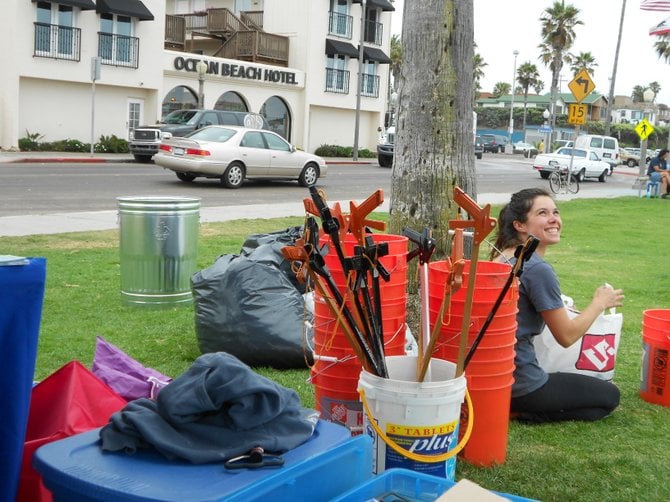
<point x="419" y="419"/>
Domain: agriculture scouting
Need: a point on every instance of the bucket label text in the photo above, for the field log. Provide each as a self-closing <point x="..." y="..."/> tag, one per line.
<point x="422" y="440"/>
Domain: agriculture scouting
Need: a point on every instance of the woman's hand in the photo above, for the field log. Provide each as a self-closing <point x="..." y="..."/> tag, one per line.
<point x="607" y="297"/>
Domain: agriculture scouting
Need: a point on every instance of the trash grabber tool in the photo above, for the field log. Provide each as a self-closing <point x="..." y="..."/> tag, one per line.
<point x="453" y="283"/>
<point x="302" y="254"/>
<point x="360" y="290"/>
<point x="482" y="224"/>
<point x="426" y="246"/>
<point x="317" y="264"/>
<point x="373" y="252"/>
<point x="522" y="254"/>
<point x="329" y="223"/>
<point x="358" y="220"/>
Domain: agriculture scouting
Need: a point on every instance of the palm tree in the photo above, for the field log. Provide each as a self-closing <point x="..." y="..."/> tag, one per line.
<point x="501" y="89"/>
<point x="662" y="46"/>
<point x="583" y="60"/>
<point x="654" y="87"/>
<point x="527" y="76"/>
<point x="558" y="34"/>
<point x="434" y="139"/>
<point x="478" y="65"/>
<point x="396" y="59"/>
<point x="638" y="94"/>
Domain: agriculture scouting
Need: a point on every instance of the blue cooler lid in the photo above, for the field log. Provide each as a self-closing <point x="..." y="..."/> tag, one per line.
<point x="76" y="469"/>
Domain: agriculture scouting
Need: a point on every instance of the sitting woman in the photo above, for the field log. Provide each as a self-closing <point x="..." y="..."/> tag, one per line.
<point x="538" y="396"/>
<point x="658" y="171"/>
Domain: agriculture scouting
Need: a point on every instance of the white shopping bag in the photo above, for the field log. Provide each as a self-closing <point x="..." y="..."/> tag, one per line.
<point x="594" y="354"/>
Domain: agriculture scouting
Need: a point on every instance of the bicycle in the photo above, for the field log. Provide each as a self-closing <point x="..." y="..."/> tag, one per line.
<point x="561" y="181"/>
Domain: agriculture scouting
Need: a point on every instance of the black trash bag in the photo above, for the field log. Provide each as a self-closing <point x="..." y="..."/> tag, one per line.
<point x="266" y="248"/>
<point x="251" y="310"/>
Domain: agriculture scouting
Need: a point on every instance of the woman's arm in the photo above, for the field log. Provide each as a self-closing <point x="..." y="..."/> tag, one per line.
<point x="567" y="331"/>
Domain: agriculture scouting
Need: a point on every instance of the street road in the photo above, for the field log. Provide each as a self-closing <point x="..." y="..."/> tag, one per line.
<point x="62" y="187"/>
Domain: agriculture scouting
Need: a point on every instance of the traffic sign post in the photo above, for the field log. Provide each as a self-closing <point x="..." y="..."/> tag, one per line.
<point x="577" y="114"/>
<point x="582" y="85"/>
<point x="643" y="130"/>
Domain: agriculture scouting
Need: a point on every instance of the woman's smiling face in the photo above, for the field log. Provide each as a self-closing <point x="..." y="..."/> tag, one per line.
<point x="543" y="221"/>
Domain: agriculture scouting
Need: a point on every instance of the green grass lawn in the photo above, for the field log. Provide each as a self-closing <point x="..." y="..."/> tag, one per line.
<point x="620" y="241"/>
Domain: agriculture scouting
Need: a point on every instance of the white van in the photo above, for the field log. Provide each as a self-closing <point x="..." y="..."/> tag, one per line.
<point x="606" y="147"/>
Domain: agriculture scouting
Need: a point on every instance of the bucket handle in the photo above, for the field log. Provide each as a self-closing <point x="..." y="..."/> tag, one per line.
<point x="432" y="459"/>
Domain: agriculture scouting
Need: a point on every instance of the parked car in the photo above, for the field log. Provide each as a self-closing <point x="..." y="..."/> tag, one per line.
<point x="146" y="140"/>
<point x="479" y="147"/>
<point x="527" y="149"/>
<point x="385" y="149"/>
<point x="560" y="143"/>
<point x="585" y="163"/>
<point x="629" y="157"/>
<point x="606" y="147"/>
<point x="233" y="154"/>
<point x="494" y="143"/>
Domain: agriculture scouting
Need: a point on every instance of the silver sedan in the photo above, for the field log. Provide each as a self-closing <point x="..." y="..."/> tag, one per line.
<point x="233" y="154"/>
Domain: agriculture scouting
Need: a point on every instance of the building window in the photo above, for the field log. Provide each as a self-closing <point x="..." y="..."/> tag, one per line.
<point x="179" y="98"/>
<point x="231" y="101"/>
<point x="339" y="22"/>
<point x="278" y="116"/>
<point x="373" y="28"/>
<point x="337" y="78"/>
<point x="370" y="80"/>
<point x="116" y="45"/>
<point x="55" y="34"/>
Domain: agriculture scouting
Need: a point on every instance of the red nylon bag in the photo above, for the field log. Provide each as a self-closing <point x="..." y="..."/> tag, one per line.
<point x="70" y="401"/>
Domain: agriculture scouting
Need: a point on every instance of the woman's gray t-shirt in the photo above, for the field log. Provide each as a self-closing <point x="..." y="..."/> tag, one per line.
<point x="539" y="290"/>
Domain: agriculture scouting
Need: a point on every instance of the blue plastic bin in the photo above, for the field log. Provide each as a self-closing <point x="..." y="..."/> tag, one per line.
<point x="406" y="485"/>
<point x="76" y="469"/>
<point x="21" y="297"/>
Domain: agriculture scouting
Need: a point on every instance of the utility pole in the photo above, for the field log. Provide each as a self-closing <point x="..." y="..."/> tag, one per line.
<point x="610" y="98"/>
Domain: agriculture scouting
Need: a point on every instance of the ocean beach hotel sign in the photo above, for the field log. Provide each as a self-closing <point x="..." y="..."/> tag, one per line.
<point x="238" y="71"/>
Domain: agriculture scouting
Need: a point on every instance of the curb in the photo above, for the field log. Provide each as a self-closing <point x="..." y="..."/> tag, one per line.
<point x="93" y="160"/>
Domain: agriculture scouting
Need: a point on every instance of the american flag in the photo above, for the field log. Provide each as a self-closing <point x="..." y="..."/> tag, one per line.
<point x="655" y="5"/>
<point x="662" y="28"/>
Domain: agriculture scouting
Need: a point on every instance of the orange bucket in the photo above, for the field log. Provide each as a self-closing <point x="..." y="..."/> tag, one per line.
<point x="655" y="375"/>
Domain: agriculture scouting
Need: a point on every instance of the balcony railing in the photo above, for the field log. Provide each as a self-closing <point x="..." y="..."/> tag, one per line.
<point x="370" y="85"/>
<point x="256" y="46"/>
<point x="340" y="24"/>
<point x="337" y="81"/>
<point x="253" y="19"/>
<point x="373" y="32"/>
<point x="175" y="32"/>
<point x="118" y="50"/>
<point x="58" y="42"/>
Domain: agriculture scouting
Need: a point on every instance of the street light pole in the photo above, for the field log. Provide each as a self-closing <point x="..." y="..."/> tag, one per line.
<point x="510" y="147"/>
<point x="546" y="114"/>
<point x="360" y="83"/>
<point x="201" y="68"/>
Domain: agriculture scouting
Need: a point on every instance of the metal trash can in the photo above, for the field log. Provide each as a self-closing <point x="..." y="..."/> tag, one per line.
<point x="158" y="244"/>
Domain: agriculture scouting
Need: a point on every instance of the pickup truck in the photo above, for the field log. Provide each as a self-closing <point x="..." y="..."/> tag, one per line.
<point x="585" y="163"/>
<point x="146" y="140"/>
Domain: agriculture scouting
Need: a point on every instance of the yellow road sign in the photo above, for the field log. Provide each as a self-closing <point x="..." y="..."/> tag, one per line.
<point x="582" y="85"/>
<point x="577" y="114"/>
<point x="644" y="129"/>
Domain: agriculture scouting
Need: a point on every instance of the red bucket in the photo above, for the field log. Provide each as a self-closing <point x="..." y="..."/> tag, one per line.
<point x="655" y="375"/>
<point x="335" y="392"/>
<point x="488" y="443"/>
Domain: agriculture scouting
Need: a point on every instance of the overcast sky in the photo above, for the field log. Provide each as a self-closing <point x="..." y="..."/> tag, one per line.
<point x="497" y="38"/>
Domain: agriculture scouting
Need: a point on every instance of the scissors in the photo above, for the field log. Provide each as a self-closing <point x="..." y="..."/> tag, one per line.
<point x="254" y="459"/>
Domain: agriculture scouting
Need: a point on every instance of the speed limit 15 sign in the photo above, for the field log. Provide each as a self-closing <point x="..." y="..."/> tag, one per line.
<point x="577" y="114"/>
